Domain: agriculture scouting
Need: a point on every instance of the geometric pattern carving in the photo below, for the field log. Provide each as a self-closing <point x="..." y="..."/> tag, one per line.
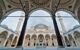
<point x="40" y="2"/>
<point x="66" y="1"/>
<point x="1" y="12"/>
<point x="14" y="2"/>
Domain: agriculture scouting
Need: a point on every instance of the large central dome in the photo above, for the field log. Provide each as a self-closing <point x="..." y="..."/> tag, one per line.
<point x="40" y="26"/>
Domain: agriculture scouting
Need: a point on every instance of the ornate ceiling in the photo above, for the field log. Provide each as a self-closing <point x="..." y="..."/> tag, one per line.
<point x="66" y="1"/>
<point x="1" y="11"/>
<point x="39" y="2"/>
<point x="28" y="5"/>
<point x="14" y="2"/>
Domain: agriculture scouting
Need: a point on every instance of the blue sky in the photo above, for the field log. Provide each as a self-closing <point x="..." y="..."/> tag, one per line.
<point x="11" y="22"/>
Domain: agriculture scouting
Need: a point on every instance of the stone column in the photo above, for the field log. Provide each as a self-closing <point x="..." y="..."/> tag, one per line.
<point x="59" y="37"/>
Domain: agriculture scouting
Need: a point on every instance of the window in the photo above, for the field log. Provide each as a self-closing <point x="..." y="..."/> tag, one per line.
<point x="52" y="44"/>
<point x="34" y="44"/>
<point x="28" y="44"/>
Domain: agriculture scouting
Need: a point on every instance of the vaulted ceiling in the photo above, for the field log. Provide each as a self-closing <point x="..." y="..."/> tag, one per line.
<point x="28" y="5"/>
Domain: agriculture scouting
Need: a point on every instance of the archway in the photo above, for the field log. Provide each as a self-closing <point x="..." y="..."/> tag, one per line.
<point x="77" y="37"/>
<point x="64" y="19"/>
<point x="48" y="21"/>
<point x="40" y="38"/>
<point x="71" y="40"/>
<point x="14" y="42"/>
<point x="34" y="36"/>
<point x="67" y="41"/>
<point x="47" y="40"/>
<point x="27" y="40"/>
<point x="47" y="36"/>
<point x="27" y="36"/>
<point x="9" y="40"/>
<point x="3" y="37"/>
<point x="36" y="25"/>
<point x="54" y="40"/>
<point x="14" y="20"/>
<point x="34" y="39"/>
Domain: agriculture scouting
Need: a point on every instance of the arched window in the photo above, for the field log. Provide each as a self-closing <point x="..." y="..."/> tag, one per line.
<point x="47" y="37"/>
<point x="27" y="40"/>
<point x="14" y="20"/>
<point x="40" y="21"/>
<point x="70" y="37"/>
<point x="52" y="44"/>
<point x="76" y="34"/>
<point x="27" y="37"/>
<point x="9" y="40"/>
<point x="72" y="42"/>
<point x="14" y="42"/>
<point x="3" y="37"/>
<point x="34" y="36"/>
<point x="3" y="34"/>
<point x="41" y="38"/>
<point x="67" y="42"/>
<point x="66" y="20"/>
<point x="77" y="37"/>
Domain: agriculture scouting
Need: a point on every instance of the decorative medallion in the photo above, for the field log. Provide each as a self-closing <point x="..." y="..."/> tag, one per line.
<point x="14" y="2"/>
<point x="40" y="2"/>
<point x="66" y="1"/>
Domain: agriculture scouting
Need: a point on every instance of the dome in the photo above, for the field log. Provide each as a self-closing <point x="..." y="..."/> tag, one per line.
<point x="40" y="26"/>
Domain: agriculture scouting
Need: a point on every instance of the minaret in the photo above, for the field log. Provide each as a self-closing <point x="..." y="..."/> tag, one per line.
<point x="63" y="28"/>
<point x="19" y="24"/>
<point x="62" y="24"/>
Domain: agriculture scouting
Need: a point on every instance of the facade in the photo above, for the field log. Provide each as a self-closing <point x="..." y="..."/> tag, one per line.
<point x="40" y="35"/>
